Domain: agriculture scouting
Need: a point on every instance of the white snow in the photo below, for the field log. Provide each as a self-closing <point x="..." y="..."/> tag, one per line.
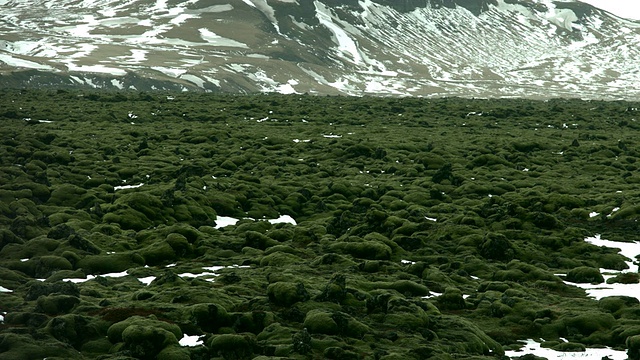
<point x="627" y="249"/>
<point x="21" y="63"/>
<point x="283" y="219"/>
<point x="288" y="87"/>
<point x="217" y="40"/>
<point x="194" y="79"/>
<point x="597" y="291"/>
<point x="147" y="280"/>
<point x="191" y="340"/>
<point x="266" y="9"/>
<point x="534" y="347"/>
<point x="222" y="221"/>
<point x="4" y="289"/>
<point x="628" y="9"/>
<point x="91" y="277"/>
<point x="211" y="271"/>
<point x="345" y="43"/>
<point x="122" y="187"/>
<point x="563" y="18"/>
<point x="432" y="295"/>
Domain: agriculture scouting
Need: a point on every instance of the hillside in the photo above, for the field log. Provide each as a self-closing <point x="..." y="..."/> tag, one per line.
<point x="469" y="48"/>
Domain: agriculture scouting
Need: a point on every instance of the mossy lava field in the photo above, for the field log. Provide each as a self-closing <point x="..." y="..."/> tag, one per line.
<point x="201" y="226"/>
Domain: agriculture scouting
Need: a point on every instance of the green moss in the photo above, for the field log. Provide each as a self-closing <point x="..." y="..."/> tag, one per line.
<point x="258" y="240"/>
<point x="21" y="346"/>
<point x="496" y="247"/>
<point x="320" y="322"/>
<point x="286" y="293"/>
<point x="451" y="300"/>
<point x="613" y="304"/>
<point x="588" y="322"/>
<point x="47" y="265"/>
<point x="66" y="195"/>
<point x="507" y="246"/>
<point x="405" y="315"/>
<point x="633" y="345"/>
<point x="74" y="330"/>
<point x="57" y="304"/>
<point x="96" y="347"/>
<point x="173" y="352"/>
<point x="373" y="250"/>
<point x="585" y="274"/>
<point x="624" y="278"/>
<point x="209" y="317"/>
<point x="102" y="264"/>
<point x="128" y="218"/>
<point x="231" y="346"/>
<point x="179" y="244"/>
<point x="280" y="259"/>
<point x="146" y="325"/>
<point x="146" y="342"/>
<point x="158" y="253"/>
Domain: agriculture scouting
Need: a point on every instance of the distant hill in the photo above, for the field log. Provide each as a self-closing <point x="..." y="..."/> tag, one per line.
<point x="472" y="48"/>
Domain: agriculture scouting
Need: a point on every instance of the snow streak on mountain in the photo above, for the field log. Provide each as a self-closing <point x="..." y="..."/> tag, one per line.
<point x="479" y="48"/>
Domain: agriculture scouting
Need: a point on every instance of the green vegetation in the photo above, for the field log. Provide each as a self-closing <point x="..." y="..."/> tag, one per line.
<point x="425" y="228"/>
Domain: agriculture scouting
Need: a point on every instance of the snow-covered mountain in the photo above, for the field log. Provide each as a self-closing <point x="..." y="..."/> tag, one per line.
<point x="480" y="48"/>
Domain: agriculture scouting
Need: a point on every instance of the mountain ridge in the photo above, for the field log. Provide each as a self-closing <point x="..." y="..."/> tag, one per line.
<point x="472" y="48"/>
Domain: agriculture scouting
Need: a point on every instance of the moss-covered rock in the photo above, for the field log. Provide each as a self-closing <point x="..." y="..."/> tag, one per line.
<point x="179" y="243"/>
<point x="585" y="274"/>
<point x="23" y="346"/>
<point x="66" y="195"/>
<point x="174" y="352"/>
<point x="363" y="249"/>
<point x="209" y="317"/>
<point x="74" y="330"/>
<point x="496" y="247"/>
<point x="47" y="265"/>
<point x="624" y="278"/>
<point x="613" y="304"/>
<point x="285" y="293"/>
<point x="231" y="346"/>
<point x="147" y="326"/>
<point x="587" y="323"/>
<point x="56" y="304"/>
<point x="633" y="347"/>
<point x="320" y="322"/>
<point x="103" y="264"/>
<point x="158" y="253"/>
<point x="36" y="289"/>
<point x="146" y="342"/>
<point x="128" y="218"/>
<point x="451" y="300"/>
<point x="259" y="241"/>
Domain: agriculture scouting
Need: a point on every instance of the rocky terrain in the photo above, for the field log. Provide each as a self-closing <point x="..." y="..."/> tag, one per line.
<point x="198" y="226"/>
<point x="470" y="48"/>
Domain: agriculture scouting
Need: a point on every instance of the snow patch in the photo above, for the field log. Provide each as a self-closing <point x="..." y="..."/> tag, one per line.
<point x="122" y="187"/>
<point x="533" y="347"/>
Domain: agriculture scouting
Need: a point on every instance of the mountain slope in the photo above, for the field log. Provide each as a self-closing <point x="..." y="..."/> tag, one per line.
<point x="413" y="47"/>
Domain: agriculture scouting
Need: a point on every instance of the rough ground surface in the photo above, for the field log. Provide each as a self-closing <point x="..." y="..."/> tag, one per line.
<point x="423" y="228"/>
